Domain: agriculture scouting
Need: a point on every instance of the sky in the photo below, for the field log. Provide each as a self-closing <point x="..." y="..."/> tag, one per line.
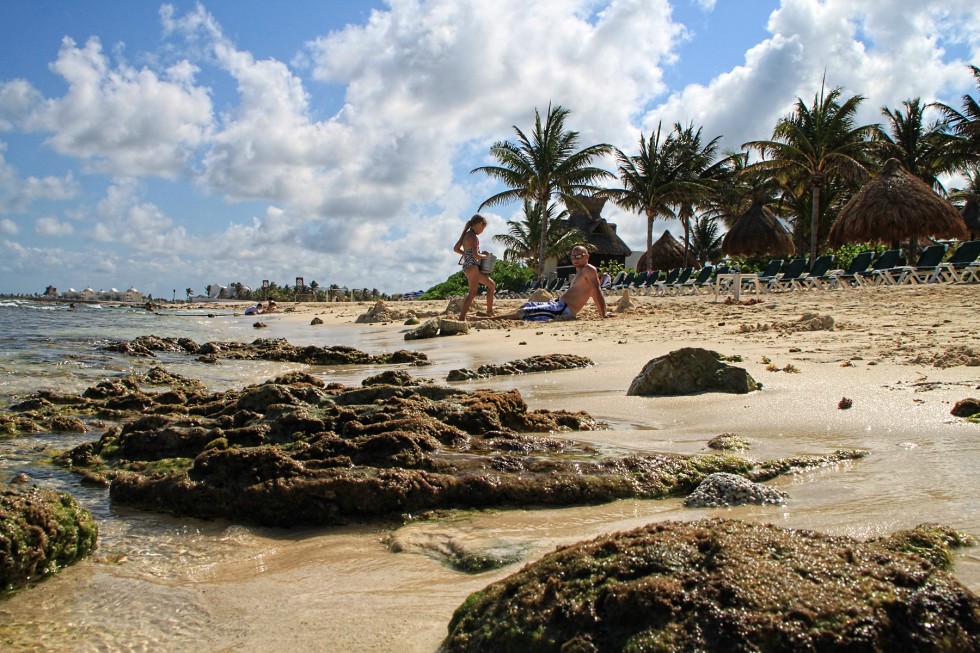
<point x="166" y="146"/>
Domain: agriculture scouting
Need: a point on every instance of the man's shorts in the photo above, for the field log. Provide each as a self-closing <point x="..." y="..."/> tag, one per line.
<point x="544" y="311"/>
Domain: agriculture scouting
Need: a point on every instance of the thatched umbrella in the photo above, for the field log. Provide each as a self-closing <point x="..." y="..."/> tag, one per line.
<point x="971" y="216"/>
<point x="665" y="254"/>
<point x="757" y="232"/>
<point x="895" y="206"/>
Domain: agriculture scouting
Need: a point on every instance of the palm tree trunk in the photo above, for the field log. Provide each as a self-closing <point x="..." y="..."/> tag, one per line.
<point x="686" y="221"/>
<point x="543" y="244"/>
<point x="814" y="222"/>
<point x="649" y="241"/>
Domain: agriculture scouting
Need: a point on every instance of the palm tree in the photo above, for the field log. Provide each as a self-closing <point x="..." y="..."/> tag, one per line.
<point x="524" y="237"/>
<point x="700" y="171"/>
<point x="967" y="198"/>
<point x="965" y="126"/>
<point x="705" y="239"/>
<point x="918" y="146"/>
<point x="651" y="180"/>
<point x="815" y="145"/>
<point x="543" y="166"/>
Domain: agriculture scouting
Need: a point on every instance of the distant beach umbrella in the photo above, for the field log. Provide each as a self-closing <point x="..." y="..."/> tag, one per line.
<point x="757" y="232"/>
<point x="896" y="206"/>
<point x="666" y="253"/>
<point x="971" y="216"/>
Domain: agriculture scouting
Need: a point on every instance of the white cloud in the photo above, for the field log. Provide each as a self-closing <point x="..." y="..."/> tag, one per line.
<point x="373" y="193"/>
<point x="53" y="227"/>
<point x="17" y="194"/>
<point x="18" y="98"/>
<point x="888" y="51"/>
<point x="121" y="119"/>
<point x="123" y="218"/>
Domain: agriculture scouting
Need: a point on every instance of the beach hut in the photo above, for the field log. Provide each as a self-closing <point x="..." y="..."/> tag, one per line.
<point x="606" y="244"/>
<point x="757" y="232"/>
<point x="896" y="206"/>
<point x="666" y="253"/>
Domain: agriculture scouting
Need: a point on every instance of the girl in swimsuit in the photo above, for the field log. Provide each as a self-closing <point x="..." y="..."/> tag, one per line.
<point x="468" y="247"/>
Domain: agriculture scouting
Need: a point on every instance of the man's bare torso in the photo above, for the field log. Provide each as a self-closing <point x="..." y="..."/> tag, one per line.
<point x="585" y="283"/>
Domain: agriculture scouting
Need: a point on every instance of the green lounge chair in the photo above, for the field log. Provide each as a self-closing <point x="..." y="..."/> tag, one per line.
<point x="961" y="266"/>
<point x="876" y="275"/>
<point x="785" y="281"/>
<point x="818" y="274"/>
<point x="848" y="278"/>
<point x="924" y="268"/>
<point x="675" y="288"/>
<point x="703" y="280"/>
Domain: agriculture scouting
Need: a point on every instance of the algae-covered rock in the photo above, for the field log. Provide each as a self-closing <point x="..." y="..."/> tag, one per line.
<point x="273" y="349"/>
<point x="41" y="531"/>
<point x="720" y="586"/>
<point x="549" y="363"/>
<point x="688" y="371"/>
<point x="294" y="451"/>
<point x="966" y="407"/>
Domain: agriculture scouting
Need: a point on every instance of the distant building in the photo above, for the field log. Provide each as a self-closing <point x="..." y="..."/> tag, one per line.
<point x="132" y="295"/>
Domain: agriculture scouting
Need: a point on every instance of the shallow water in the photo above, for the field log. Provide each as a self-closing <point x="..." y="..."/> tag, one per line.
<point x="157" y="582"/>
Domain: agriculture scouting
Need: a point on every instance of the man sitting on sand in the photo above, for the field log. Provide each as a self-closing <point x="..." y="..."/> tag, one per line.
<point x="584" y="285"/>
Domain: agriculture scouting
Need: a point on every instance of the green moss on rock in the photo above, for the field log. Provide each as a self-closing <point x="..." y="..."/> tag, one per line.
<point x="720" y="586"/>
<point x="41" y="531"/>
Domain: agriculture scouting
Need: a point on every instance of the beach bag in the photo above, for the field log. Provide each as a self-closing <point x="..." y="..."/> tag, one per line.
<point x="486" y="265"/>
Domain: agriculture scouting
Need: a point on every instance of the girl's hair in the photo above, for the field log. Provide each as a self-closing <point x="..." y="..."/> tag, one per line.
<point x="472" y="221"/>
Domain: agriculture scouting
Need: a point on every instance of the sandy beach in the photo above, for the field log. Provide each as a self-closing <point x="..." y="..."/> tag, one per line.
<point x="903" y="356"/>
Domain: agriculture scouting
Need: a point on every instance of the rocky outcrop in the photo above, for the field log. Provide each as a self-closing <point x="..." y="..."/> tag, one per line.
<point x="721" y="586"/>
<point x="689" y="371"/>
<point x="438" y="326"/>
<point x="41" y="531"/>
<point x="966" y="407"/>
<point x="549" y="363"/>
<point x="720" y="490"/>
<point x="272" y="349"/>
<point x="295" y="451"/>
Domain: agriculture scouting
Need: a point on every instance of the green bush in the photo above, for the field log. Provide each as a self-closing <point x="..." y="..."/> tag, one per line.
<point x="507" y="276"/>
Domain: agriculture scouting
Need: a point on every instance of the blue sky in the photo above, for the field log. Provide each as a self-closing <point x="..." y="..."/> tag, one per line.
<point x="174" y="145"/>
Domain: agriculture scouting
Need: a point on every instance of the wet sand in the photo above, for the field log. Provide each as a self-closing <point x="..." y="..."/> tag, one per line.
<point x="903" y="356"/>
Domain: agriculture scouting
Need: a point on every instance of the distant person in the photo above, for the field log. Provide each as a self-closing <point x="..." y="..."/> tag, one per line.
<point x="585" y="285"/>
<point x="254" y="309"/>
<point x="606" y="280"/>
<point x="271" y="306"/>
<point x="468" y="247"/>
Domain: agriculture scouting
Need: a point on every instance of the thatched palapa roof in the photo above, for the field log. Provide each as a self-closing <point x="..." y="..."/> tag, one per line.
<point x="600" y="233"/>
<point x="895" y="206"/>
<point x="666" y="253"/>
<point x="757" y="232"/>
